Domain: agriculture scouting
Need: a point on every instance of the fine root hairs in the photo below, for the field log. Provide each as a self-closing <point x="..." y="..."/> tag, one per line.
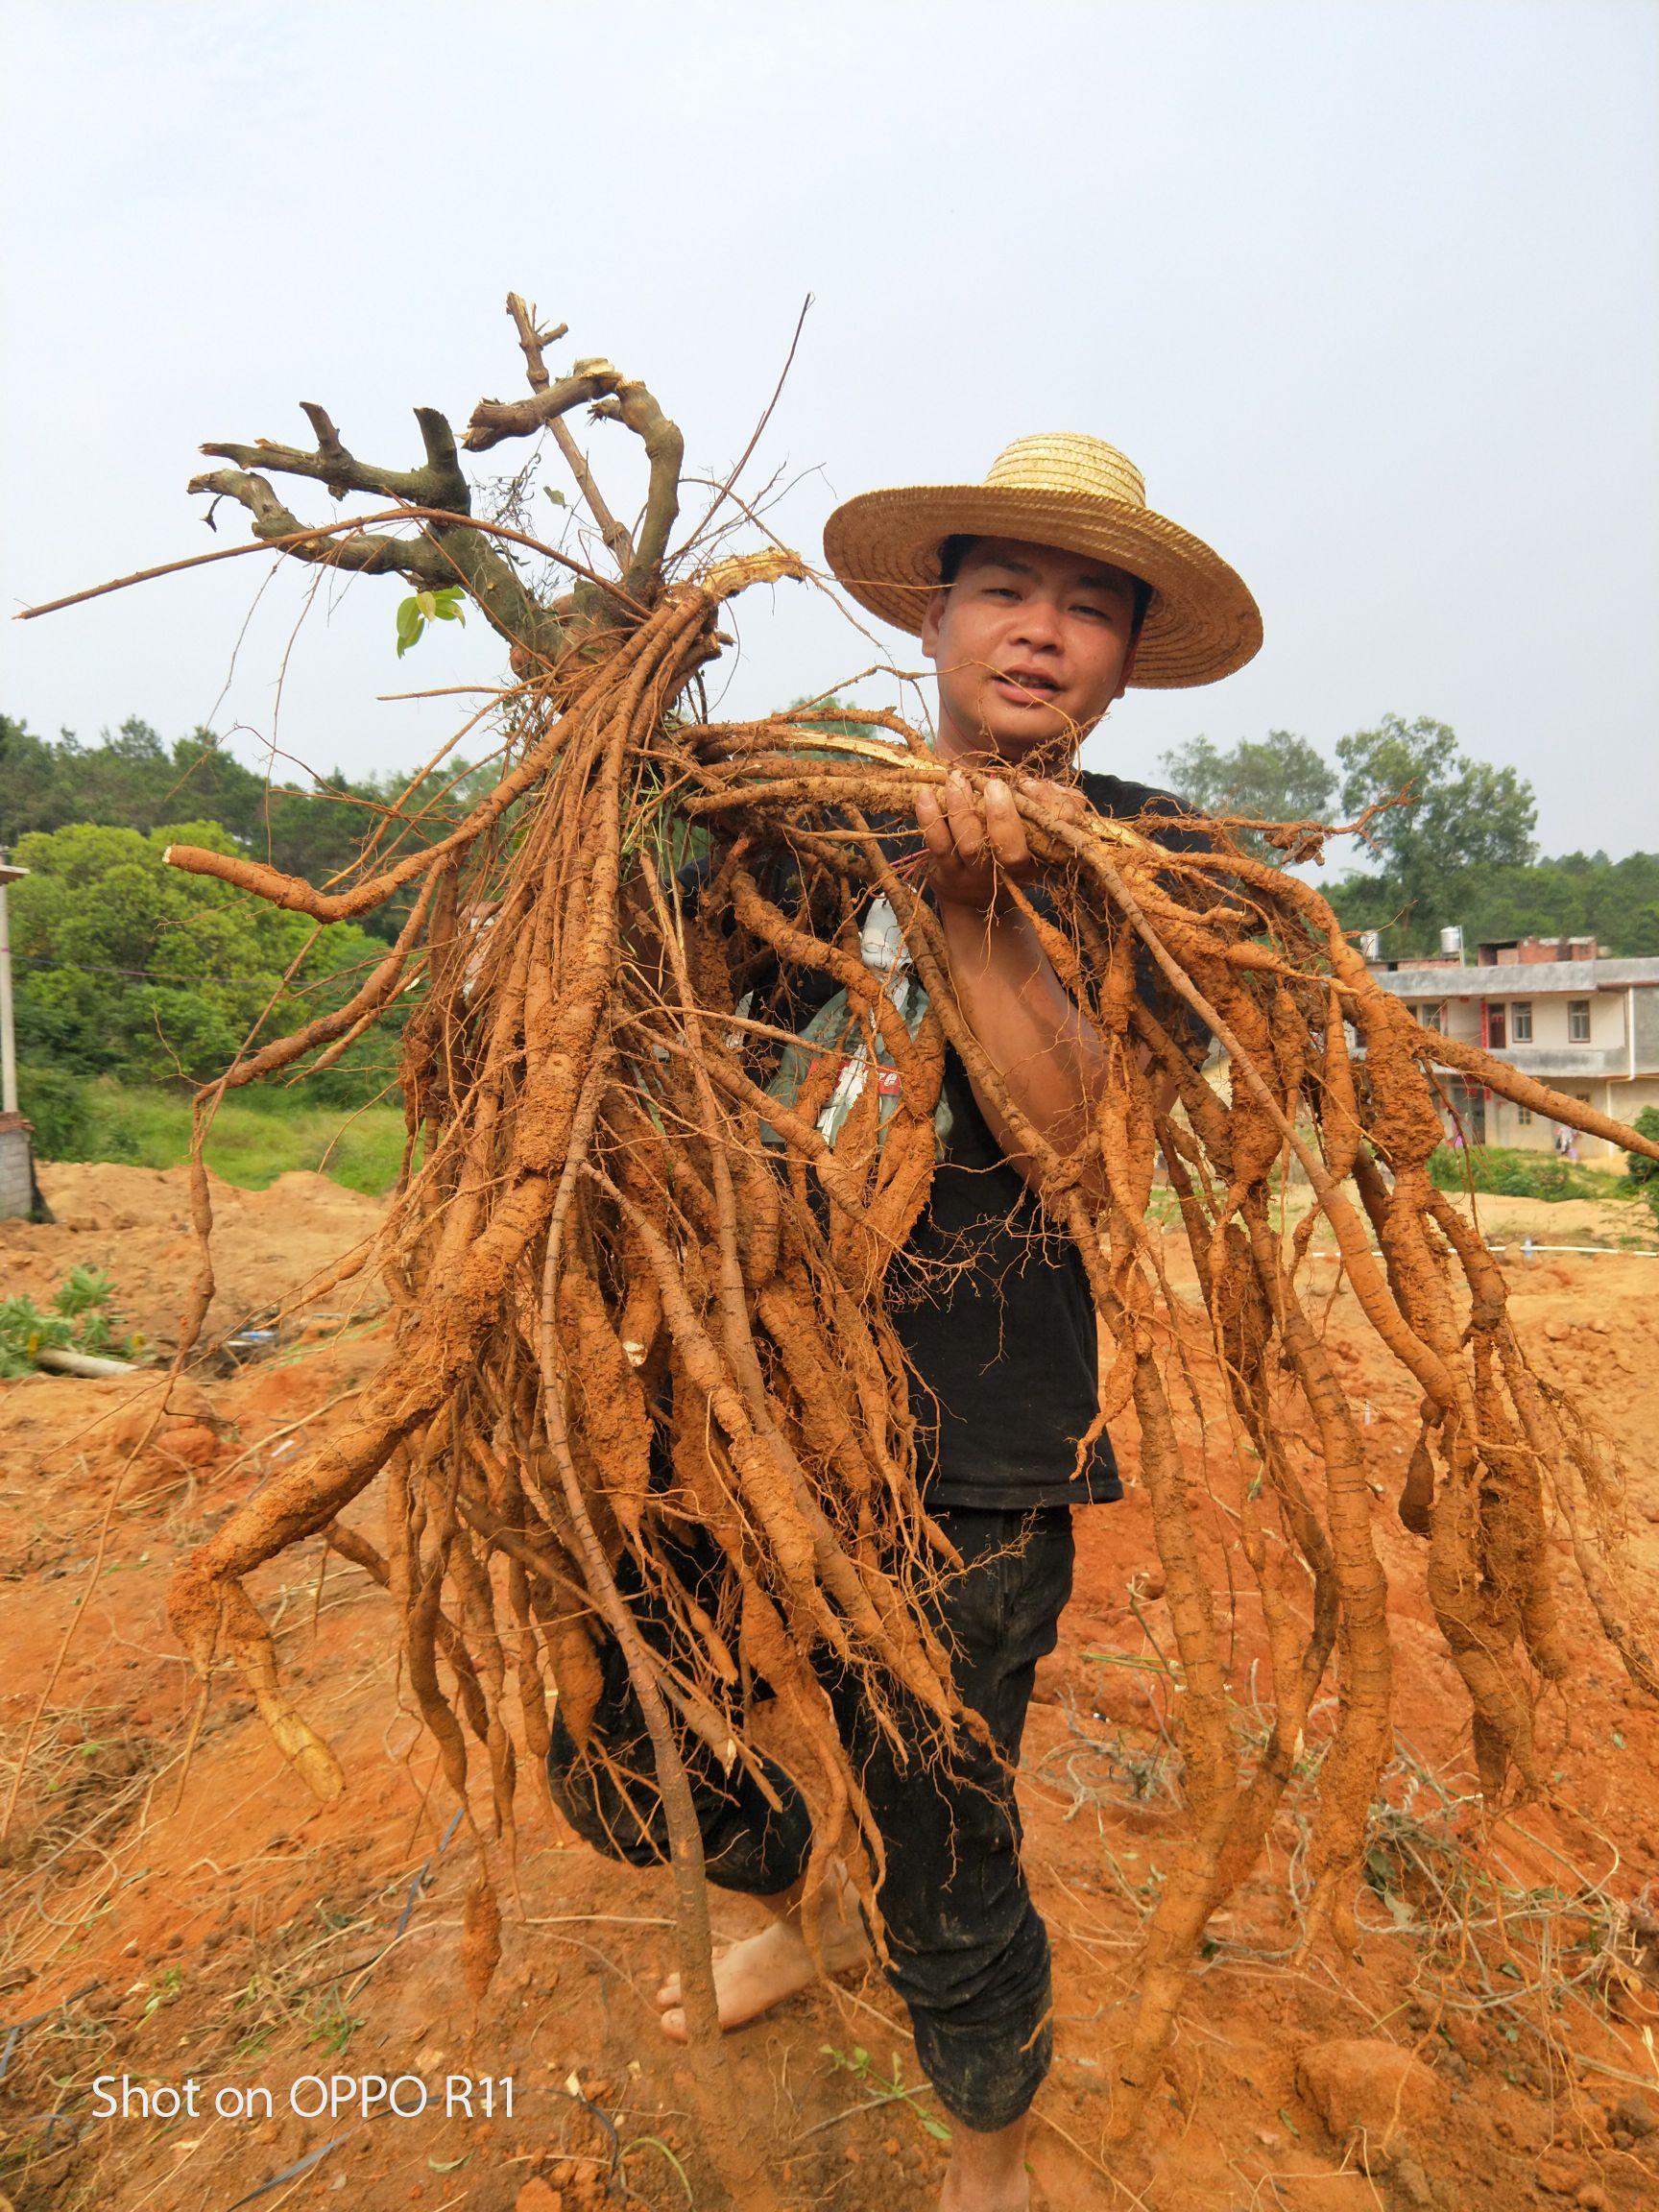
<point x="640" y="1293"/>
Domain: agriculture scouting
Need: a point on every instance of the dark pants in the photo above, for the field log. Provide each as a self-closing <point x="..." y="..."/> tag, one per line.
<point x="970" y="1956"/>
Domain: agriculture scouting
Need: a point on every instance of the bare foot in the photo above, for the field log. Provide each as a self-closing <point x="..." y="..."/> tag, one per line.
<point x="759" y="1972"/>
<point x="987" y="2173"/>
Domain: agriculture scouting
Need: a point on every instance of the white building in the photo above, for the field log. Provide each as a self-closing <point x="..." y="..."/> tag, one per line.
<point x="1585" y="1026"/>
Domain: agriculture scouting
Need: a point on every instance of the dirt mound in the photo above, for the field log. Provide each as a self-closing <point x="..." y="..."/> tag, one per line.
<point x="133" y="1224"/>
<point x="1617" y="1222"/>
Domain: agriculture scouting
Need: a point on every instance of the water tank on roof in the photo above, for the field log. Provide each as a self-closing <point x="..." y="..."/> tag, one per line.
<point x="1451" y="941"/>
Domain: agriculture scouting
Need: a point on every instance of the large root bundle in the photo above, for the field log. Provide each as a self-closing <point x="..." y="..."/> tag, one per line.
<point x="640" y="1281"/>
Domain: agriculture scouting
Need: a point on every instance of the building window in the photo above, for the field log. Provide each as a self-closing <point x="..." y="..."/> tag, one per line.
<point x="1524" y="1116"/>
<point x="1579" y="1020"/>
<point x="1520" y="1022"/>
<point x="1497" y="1034"/>
<point x="1429" y="1013"/>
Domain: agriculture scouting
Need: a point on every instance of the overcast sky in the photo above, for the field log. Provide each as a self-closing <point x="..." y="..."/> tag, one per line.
<point x="1370" y="291"/>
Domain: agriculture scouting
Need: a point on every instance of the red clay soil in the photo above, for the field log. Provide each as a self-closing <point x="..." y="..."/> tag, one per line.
<point x="169" y="1919"/>
<point x="134" y="1223"/>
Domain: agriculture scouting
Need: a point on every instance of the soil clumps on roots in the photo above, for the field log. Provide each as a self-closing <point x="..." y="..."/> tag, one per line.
<point x="637" y="1294"/>
<point x="638" y="1289"/>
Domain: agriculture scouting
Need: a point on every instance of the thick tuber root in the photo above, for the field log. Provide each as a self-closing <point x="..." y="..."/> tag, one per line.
<point x="638" y="1292"/>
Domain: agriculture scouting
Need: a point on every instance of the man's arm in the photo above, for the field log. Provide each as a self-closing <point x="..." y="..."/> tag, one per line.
<point x="1032" y="1031"/>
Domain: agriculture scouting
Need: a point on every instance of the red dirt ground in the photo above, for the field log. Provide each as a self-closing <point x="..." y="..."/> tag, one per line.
<point x="166" y="1919"/>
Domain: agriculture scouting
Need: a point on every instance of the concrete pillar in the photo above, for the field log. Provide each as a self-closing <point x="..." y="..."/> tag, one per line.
<point x="17" y="1181"/>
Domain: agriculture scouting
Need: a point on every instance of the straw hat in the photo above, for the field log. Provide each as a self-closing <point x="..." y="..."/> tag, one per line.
<point x="1078" y="493"/>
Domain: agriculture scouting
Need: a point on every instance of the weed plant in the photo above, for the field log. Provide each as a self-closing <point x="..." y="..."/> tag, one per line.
<point x="1503" y="1173"/>
<point x="80" y="1319"/>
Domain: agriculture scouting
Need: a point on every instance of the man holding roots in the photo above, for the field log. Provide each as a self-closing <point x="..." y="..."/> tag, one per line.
<point x="1039" y="596"/>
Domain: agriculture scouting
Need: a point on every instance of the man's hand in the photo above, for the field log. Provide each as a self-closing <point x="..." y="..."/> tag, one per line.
<point x="1026" y="1023"/>
<point x="974" y="847"/>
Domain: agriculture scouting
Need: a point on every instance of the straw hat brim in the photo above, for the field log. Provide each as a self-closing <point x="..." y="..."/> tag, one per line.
<point x="1202" y="622"/>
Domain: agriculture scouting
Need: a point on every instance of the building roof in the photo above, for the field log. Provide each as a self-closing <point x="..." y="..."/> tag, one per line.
<point x="1535" y="979"/>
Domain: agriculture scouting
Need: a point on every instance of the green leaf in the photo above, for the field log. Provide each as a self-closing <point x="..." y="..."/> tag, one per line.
<point x="411" y="622"/>
<point x="449" y="2165"/>
<point x="557" y="497"/>
<point x="427" y="602"/>
<point x="82" y="1289"/>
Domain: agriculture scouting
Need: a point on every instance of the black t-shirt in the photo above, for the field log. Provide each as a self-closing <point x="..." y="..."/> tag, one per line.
<point x="1002" y="1337"/>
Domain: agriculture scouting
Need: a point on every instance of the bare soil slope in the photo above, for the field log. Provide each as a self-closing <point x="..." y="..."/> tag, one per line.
<point x="173" y="1912"/>
<point x="134" y="1224"/>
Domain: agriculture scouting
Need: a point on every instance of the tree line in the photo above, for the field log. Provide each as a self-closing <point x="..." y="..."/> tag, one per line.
<point x="124" y="966"/>
<point x="131" y="780"/>
<point x="1462" y="850"/>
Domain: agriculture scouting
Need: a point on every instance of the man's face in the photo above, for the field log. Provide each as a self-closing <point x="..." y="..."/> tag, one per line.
<point x="1031" y="645"/>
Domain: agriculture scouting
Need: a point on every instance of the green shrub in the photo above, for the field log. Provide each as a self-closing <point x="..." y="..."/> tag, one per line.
<point x="255" y="1137"/>
<point x="1502" y="1172"/>
<point x="1637" y="1164"/>
<point x="60" y="1105"/>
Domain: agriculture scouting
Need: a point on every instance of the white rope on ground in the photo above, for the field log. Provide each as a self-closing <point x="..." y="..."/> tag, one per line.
<point x="1528" y="1248"/>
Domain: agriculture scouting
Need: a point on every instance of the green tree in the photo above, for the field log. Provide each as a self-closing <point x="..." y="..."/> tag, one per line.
<point x="1277" y="778"/>
<point x="131" y="780"/>
<point x="128" y="966"/>
<point x="1615" y="902"/>
<point x="33" y="786"/>
<point x="1462" y="818"/>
